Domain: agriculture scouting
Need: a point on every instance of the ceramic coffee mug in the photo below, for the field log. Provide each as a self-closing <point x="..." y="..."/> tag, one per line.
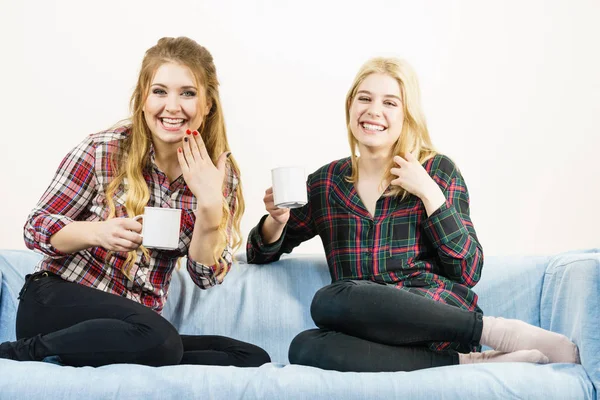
<point x="289" y="187"/>
<point x="161" y="227"/>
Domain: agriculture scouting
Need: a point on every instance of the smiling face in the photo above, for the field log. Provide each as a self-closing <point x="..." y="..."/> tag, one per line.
<point x="175" y="103"/>
<point x="376" y="113"/>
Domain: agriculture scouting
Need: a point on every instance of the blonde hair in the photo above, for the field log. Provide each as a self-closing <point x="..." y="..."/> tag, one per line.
<point x="133" y="155"/>
<point x="414" y="136"/>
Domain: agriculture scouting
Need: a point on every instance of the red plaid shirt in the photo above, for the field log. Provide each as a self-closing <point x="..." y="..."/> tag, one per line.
<point x="77" y="193"/>
<point x="436" y="256"/>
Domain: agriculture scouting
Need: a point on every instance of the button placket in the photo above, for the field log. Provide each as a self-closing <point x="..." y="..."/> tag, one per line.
<point x="367" y="258"/>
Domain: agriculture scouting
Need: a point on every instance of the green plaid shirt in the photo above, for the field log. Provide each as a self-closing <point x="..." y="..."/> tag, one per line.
<point x="438" y="257"/>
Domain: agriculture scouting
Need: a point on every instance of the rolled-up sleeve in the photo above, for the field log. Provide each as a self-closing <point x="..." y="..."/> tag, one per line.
<point x="206" y="276"/>
<point x="68" y="195"/>
<point x="452" y="233"/>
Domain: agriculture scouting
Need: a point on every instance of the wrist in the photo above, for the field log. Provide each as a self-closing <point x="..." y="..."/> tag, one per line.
<point x="92" y="236"/>
<point x="433" y="200"/>
<point x="273" y="223"/>
<point x="271" y="230"/>
<point x="432" y="194"/>
<point x="209" y="217"/>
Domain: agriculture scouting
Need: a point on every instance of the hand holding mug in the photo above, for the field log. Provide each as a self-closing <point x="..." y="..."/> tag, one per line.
<point x="280" y="215"/>
<point x="119" y="234"/>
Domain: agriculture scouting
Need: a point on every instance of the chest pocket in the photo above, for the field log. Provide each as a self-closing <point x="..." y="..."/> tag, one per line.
<point x="402" y="234"/>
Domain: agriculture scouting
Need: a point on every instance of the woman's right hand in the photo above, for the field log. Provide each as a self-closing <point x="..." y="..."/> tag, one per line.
<point x="279" y="215"/>
<point x="119" y="234"/>
<point x="275" y="223"/>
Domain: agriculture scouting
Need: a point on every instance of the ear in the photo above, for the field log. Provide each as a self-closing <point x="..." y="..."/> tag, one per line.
<point x="207" y="107"/>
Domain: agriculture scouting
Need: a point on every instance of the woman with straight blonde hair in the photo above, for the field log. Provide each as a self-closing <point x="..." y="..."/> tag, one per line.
<point x="96" y="296"/>
<point x="400" y="244"/>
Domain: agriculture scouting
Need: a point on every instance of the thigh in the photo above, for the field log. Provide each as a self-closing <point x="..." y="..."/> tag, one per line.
<point x="50" y="304"/>
<point x="385" y="314"/>
<point x="331" y="350"/>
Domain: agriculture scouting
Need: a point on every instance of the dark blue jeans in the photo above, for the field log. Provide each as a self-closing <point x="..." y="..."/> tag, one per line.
<point x="88" y="327"/>
<point x="371" y="327"/>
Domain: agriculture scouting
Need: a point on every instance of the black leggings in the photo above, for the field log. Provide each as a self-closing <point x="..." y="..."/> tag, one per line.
<point x="88" y="327"/>
<point x="371" y="327"/>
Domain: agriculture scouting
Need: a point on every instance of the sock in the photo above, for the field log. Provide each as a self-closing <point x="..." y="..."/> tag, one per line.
<point x="510" y="335"/>
<point x="491" y="356"/>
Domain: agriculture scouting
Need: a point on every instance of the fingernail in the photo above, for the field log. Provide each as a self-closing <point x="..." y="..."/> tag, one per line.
<point x="185" y="139"/>
<point x="195" y="133"/>
<point x="188" y="131"/>
<point x="179" y="149"/>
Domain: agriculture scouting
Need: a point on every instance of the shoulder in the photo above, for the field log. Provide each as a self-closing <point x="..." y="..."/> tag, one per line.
<point x="341" y="167"/>
<point x="110" y="138"/>
<point x="442" y="166"/>
<point x="104" y="142"/>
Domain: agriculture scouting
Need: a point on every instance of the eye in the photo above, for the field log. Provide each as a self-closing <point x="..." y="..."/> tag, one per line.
<point x="364" y="98"/>
<point x="189" y="93"/>
<point x="390" y="103"/>
<point x="158" y="91"/>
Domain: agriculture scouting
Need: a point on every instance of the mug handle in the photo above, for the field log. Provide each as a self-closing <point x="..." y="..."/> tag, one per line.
<point x="137" y="217"/>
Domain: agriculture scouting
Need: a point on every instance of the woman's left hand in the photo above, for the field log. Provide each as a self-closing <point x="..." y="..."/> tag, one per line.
<point x="413" y="178"/>
<point x="204" y="179"/>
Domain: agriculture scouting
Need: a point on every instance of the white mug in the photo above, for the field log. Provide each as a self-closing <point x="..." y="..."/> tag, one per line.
<point x="289" y="187"/>
<point x="161" y="226"/>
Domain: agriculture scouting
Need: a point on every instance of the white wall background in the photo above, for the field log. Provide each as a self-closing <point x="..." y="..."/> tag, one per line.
<point x="511" y="90"/>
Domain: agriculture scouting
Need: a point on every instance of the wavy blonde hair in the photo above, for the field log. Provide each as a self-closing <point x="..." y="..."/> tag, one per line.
<point x="133" y="156"/>
<point x="414" y="135"/>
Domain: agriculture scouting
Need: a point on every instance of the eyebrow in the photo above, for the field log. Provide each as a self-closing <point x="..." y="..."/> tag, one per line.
<point x="165" y="86"/>
<point x="385" y="95"/>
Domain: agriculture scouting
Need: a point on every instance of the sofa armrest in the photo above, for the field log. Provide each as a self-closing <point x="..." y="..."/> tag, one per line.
<point x="570" y="304"/>
<point x="14" y="265"/>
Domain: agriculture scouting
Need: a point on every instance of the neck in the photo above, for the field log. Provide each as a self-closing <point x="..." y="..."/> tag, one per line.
<point x="373" y="164"/>
<point x="165" y="156"/>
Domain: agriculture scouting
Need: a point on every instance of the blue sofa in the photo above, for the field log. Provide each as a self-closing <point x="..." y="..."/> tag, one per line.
<point x="269" y="304"/>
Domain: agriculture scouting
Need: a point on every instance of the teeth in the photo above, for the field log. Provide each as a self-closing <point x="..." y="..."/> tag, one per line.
<point x="373" y="127"/>
<point x="173" y="120"/>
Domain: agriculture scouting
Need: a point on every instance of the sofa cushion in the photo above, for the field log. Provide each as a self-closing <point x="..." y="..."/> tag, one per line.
<point x="273" y="381"/>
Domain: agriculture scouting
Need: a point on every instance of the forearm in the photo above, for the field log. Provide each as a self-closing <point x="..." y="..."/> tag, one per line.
<point x="76" y="236"/>
<point x="205" y="239"/>
<point x="433" y="199"/>
<point x="456" y="243"/>
<point x="271" y="230"/>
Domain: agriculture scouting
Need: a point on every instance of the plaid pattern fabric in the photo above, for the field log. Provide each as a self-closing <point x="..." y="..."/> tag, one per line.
<point x="438" y="257"/>
<point x="77" y="193"/>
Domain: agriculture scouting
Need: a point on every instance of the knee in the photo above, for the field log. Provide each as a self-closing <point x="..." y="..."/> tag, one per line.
<point x="256" y="356"/>
<point x="327" y="304"/>
<point x="304" y="348"/>
<point x="169" y="351"/>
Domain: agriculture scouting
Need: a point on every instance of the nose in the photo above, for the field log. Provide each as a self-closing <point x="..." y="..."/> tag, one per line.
<point x="374" y="112"/>
<point x="172" y="104"/>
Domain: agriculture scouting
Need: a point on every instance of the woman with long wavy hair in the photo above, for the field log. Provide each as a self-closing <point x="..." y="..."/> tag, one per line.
<point x="400" y="244"/>
<point x="96" y="296"/>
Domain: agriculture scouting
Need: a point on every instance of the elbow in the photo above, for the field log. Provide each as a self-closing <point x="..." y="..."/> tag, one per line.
<point x="471" y="270"/>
